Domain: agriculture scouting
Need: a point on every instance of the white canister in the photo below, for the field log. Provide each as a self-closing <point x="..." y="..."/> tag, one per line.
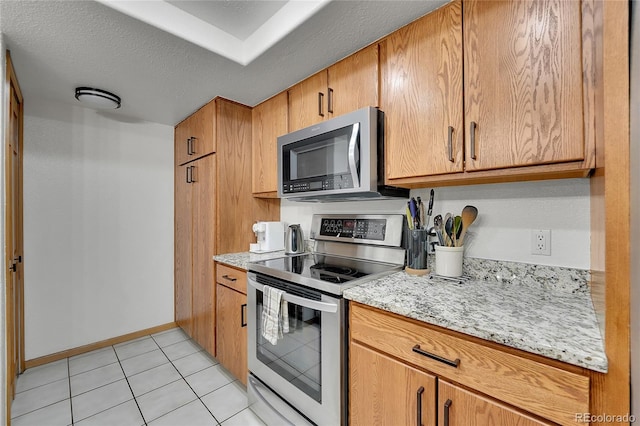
<point x="449" y="261"/>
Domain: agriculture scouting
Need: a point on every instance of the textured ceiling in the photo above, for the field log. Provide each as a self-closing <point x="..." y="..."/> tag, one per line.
<point x="59" y="45"/>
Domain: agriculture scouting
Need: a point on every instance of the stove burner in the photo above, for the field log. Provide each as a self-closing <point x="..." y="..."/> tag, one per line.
<point x="334" y="273"/>
<point x="341" y="270"/>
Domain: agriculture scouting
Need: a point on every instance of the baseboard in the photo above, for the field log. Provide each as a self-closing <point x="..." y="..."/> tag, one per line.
<point x="97" y="345"/>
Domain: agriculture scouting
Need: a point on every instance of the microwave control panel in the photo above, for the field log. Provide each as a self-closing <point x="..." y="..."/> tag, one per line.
<point x="319" y="184"/>
<point x="366" y="229"/>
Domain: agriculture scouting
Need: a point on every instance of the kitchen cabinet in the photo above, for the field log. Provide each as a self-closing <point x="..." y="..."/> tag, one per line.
<point x="195" y="136"/>
<point x="422" y="96"/>
<point x="492" y="373"/>
<point x="523" y="83"/>
<point x="268" y="120"/>
<point x="346" y="86"/>
<point x="214" y="212"/>
<point x="460" y="407"/>
<point x="237" y="209"/>
<point x="527" y="111"/>
<point x="231" y="319"/>
<point x="384" y="391"/>
<point x="194" y="247"/>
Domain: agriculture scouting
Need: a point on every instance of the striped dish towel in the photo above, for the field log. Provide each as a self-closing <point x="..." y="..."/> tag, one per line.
<point x="275" y="315"/>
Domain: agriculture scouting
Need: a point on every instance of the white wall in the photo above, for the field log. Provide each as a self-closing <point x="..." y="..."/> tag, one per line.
<point x="507" y="214"/>
<point x="635" y="208"/>
<point x="98" y="226"/>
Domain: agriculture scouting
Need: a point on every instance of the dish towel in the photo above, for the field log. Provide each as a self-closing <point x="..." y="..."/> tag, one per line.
<point x="275" y="315"/>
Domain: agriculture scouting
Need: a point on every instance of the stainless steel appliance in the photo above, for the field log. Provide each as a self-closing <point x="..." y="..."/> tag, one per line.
<point x="302" y="379"/>
<point x="294" y="243"/>
<point x="337" y="160"/>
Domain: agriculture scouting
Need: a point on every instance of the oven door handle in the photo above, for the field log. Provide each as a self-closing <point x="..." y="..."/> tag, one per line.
<point x="300" y="301"/>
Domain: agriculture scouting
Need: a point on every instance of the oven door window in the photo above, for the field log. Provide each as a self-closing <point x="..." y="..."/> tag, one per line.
<point x="297" y="356"/>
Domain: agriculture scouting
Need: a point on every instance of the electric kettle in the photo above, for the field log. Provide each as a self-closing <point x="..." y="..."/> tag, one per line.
<point x="294" y="241"/>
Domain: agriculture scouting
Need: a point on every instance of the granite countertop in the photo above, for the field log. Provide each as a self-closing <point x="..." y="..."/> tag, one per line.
<point x="240" y="260"/>
<point x="542" y="310"/>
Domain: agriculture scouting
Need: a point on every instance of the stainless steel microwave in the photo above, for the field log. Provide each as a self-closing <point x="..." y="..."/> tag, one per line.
<point x="340" y="159"/>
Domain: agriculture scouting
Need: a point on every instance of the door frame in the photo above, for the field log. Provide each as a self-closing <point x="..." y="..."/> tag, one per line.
<point x="17" y="225"/>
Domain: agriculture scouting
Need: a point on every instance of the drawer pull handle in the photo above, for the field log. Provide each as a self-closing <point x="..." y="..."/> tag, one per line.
<point x="320" y="102"/>
<point x="447" y="405"/>
<point x="455" y="363"/>
<point x="227" y="277"/>
<point x="419" y="405"/>
<point x="243" y="309"/>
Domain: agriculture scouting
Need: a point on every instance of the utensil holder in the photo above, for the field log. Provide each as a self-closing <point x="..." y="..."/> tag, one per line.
<point x="417" y="241"/>
<point x="449" y="261"/>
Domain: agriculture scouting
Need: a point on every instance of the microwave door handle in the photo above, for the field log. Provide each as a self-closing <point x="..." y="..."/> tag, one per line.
<point x="353" y="145"/>
<point x="301" y="301"/>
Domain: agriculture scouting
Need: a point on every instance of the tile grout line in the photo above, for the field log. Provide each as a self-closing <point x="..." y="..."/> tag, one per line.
<point x="185" y="380"/>
<point x="129" y="384"/>
<point x="70" y="397"/>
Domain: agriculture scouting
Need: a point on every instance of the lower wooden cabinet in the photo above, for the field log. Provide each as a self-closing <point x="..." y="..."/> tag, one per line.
<point x="231" y="320"/>
<point x="384" y="391"/>
<point x="460" y="407"/>
<point x="391" y="357"/>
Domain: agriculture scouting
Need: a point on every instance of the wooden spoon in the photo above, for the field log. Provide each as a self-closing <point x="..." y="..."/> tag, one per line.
<point x="469" y="214"/>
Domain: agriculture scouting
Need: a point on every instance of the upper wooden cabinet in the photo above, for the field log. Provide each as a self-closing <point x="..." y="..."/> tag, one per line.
<point x="523" y="83"/>
<point x="421" y="68"/>
<point x="195" y="135"/>
<point x="346" y="86"/>
<point x="527" y="112"/>
<point x="269" y="120"/>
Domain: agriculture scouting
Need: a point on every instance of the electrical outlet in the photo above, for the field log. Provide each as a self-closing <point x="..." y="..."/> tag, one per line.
<point x="541" y="242"/>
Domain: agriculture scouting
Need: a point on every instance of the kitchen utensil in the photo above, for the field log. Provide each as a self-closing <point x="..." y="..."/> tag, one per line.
<point x="457" y="230"/>
<point x="294" y="242"/>
<point x="430" y="209"/>
<point x="448" y="228"/>
<point x="437" y="225"/>
<point x="469" y="214"/>
<point x="409" y="217"/>
<point x="413" y="208"/>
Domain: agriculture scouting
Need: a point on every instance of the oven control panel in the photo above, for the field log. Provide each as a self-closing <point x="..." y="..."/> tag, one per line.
<point x="350" y="228"/>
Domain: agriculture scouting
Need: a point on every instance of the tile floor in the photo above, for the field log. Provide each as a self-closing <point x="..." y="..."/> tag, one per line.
<point x="161" y="379"/>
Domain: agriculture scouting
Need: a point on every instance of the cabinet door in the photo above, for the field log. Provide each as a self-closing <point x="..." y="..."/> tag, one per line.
<point x="422" y="96"/>
<point x="269" y="120"/>
<point x="202" y="127"/>
<point x="353" y="82"/>
<point x="183" y="249"/>
<point x="231" y="313"/>
<point x="523" y="83"/>
<point x="181" y="142"/>
<point x="459" y="407"/>
<point x="383" y="391"/>
<point x="203" y="199"/>
<point x="308" y="101"/>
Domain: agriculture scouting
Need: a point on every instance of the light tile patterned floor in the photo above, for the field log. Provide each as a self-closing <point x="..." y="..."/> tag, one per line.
<point x="161" y="379"/>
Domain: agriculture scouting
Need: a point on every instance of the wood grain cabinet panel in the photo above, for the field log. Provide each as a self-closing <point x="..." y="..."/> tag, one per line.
<point x="523" y="83"/>
<point x="344" y="87"/>
<point x="541" y="389"/>
<point x="460" y="407"/>
<point x="231" y="312"/>
<point x="422" y="96"/>
<point x="268" y="120"/>
<point x="383" y="391"/>
<point x="195" y="136"/>
<point x="183" y="249"/>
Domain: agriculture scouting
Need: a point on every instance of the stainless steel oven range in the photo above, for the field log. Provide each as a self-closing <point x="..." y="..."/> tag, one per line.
<point x="302" y="379"/>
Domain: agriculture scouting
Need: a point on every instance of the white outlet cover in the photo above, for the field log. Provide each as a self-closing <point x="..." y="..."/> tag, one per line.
<point x="541" y="242"/>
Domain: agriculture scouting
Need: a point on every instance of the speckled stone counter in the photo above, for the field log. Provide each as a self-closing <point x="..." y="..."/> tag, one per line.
<point x="240" y="260"/>
<point x="542" y="310"/>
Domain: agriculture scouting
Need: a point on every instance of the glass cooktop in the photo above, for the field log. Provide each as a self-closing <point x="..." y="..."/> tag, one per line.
<point x="324" y="272"/>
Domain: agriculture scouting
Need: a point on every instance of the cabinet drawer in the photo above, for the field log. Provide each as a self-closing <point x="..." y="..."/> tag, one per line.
<point x="538" y="388"/>
<point x="232" y="278"/>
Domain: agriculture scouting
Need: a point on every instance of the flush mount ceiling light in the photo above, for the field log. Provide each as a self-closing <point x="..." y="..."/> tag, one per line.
<point x="96" y="98"/>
